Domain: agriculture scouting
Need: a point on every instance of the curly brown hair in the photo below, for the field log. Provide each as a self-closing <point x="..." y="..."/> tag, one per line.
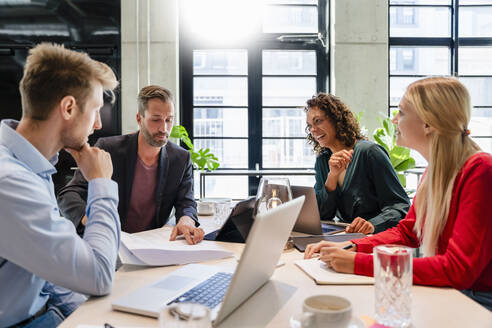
<point x="347" y="128"/>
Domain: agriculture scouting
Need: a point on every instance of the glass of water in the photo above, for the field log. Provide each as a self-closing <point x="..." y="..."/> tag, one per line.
<point x="392" y="285"/>
<point x="222" y="210"/>
<point x="185" y="315"/>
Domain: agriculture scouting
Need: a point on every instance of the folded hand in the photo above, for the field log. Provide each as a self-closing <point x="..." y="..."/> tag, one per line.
<point x="360" y="225"/>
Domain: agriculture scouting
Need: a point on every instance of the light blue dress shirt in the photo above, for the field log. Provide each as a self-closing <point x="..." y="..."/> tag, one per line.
<point x="37" y="244"/>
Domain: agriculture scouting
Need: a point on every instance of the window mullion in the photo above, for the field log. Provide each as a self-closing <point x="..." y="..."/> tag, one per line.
<point x="254" y="113"/>
<point x="455" y="36"/>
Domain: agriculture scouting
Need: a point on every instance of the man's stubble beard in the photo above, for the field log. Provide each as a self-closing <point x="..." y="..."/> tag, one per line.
<point x="150" y="138"/>
<point x="69" y="140"/>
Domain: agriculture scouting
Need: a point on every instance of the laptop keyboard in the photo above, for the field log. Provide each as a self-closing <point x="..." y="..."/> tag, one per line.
<point x="209" y="293"/>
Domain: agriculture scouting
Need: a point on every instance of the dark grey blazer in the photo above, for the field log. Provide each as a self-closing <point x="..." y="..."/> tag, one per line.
<point x="174" y="186"/>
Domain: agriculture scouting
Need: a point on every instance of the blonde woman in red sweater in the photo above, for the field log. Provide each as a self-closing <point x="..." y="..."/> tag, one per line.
<point x="451" y="216"/>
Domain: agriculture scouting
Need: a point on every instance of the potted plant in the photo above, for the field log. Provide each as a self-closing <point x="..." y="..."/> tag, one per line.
<point x="400" y="157"/>
<point x="202" y="159"/>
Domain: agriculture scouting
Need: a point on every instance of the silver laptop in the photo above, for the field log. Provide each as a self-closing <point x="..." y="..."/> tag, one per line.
<point x="309" y="219"/>
<point x="193" y="282"/>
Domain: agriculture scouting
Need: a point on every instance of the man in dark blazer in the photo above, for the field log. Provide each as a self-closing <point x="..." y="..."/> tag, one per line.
<point x="153" y="175"/>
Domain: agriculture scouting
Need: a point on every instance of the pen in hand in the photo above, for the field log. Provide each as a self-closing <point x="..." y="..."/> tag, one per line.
<point x="348" y="246"/>
<point x="344" y="247"/>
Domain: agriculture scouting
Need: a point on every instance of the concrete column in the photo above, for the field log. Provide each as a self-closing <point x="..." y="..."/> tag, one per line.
<point x="159" y="43"/>
<point x="359" y="56"/>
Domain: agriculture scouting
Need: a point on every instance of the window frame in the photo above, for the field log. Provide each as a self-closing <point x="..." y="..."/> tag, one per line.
<point x="262" y="41"/>
<point x="453" y="43"/>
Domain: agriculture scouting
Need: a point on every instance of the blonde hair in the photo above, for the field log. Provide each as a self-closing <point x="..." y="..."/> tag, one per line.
<point x="53" y="72"/>
<point x="444" y="104"/>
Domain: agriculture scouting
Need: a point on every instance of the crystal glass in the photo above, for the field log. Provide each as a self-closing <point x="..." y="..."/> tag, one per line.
<point x="392" y="285"/>
<point x="185" y="315"/>
<point x="271" y="193"/>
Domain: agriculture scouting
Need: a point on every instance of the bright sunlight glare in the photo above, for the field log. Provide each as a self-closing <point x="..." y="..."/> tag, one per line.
<point x="223" y="20"/>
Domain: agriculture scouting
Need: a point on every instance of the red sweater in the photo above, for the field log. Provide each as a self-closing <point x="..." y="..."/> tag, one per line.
<point x="464" y="256"/>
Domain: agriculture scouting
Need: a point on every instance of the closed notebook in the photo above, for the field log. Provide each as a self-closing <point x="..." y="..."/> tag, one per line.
<point x="323" y="275"/>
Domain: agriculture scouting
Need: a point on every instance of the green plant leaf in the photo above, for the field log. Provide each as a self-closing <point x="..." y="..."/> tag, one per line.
<point x="201" y="159"/>
<point x="400" y="152"/>
<point x="188" y="143"/>
<point x="407" y="164"/>
<point x="359" y="116"/>
<point x="179" y="132"/>
<point x="398" y="155"/>
<point x="379" y="138"/>
<point x="403" y="179"/>
<point x="212" y="164"/>
<point x="386" y="126"/>
<point x="205" y="159"/>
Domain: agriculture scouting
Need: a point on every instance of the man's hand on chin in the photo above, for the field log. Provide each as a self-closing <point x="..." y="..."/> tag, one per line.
<point x="186" y="227"/>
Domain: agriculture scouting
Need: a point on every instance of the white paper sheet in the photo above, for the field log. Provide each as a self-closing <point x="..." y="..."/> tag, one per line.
<point x="153" y="248"/>
<point x="323" y="275"/>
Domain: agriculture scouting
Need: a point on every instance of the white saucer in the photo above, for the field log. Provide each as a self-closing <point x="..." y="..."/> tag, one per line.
<point x="354" y="323"/>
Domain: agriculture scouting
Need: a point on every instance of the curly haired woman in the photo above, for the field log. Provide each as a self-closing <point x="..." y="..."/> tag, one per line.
<point x="354" y="177"/>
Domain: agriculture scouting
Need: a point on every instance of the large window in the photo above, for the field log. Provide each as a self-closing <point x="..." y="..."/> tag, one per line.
<point x="246" y="70"/>
<point x="444" y="37"/>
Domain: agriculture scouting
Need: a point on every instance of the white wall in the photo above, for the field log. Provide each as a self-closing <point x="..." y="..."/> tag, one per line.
<point x="359" y="56"/>
<point x="161" y="40"/>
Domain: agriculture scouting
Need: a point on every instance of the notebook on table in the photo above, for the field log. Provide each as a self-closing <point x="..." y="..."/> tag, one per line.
<point x="323" y="275"/>
<point x="221" y="290"/>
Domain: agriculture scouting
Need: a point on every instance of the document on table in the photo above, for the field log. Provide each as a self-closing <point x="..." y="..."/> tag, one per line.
<point x="153" y="248"/>
<point x="323" y="275"/>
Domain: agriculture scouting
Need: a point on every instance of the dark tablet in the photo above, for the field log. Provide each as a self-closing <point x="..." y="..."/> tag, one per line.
<point x="237" y="226"/>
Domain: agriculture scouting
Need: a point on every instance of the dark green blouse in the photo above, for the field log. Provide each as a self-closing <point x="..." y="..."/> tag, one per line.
<point x="370" y="189"/>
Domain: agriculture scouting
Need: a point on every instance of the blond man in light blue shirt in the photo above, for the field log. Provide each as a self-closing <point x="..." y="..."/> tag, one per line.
<point x="42" y="259"/>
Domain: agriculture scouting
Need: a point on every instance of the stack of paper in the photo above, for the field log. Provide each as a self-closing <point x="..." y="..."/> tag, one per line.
<point x="153" y="248"/>
<point x="323" y="275"/>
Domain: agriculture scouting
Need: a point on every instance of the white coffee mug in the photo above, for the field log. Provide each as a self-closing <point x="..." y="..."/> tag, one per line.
<point x="328" y="310"/>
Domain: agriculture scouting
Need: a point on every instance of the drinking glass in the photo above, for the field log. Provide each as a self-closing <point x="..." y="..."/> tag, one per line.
<point x="271" y="193"/>
<point x="392" y="285"/>
<point x="222" y="210"/>
<point x="185" y="315"/>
